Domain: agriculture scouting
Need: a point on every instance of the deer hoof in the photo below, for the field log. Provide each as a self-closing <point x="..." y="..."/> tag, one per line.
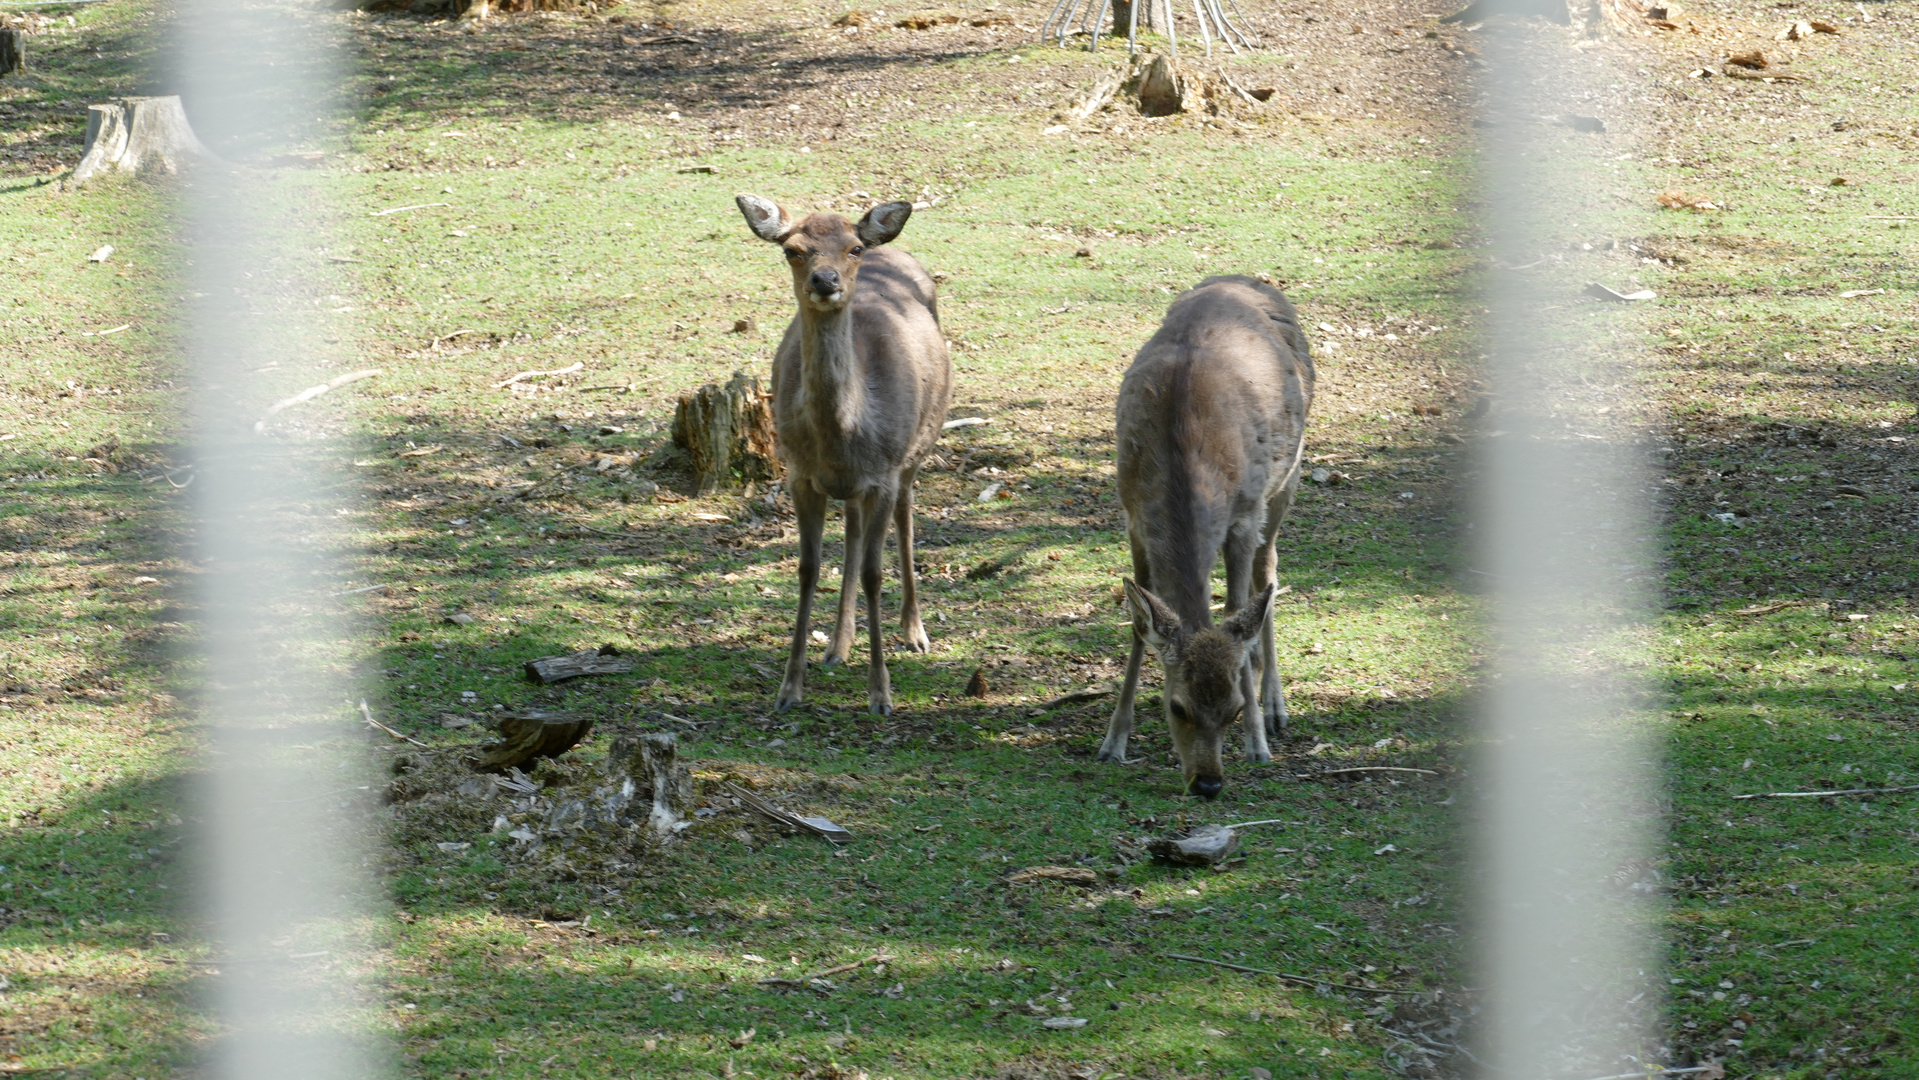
<point x="1108" y="754"/>
<point x="880" y="708"/>
<point x="917" y="640"/>
<point x="786" y="701"/>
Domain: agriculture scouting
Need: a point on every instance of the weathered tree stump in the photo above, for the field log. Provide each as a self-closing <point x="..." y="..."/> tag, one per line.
<point x="13" y="52"/>
<point x="529" y="734"/>
<point x="726" y="431"/>
<point x="605" y="660"/>
<point x="651" y="762"/>
<point x="134" y="134"/>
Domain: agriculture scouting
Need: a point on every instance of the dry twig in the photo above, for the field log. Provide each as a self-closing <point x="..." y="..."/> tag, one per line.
<point x="876" y="958"/>
<point x="1375" y="768"/>
<point x="312" y="392"/>
<point x="577" y="365"/>
<point x="1824" y="794"/>
<point x="1301" y="980"/>
<point x="368" y="713"/>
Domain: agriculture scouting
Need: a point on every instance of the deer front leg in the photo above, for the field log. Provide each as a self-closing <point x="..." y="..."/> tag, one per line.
<point x="879" y="684"/>
<point x="1120" y="727"/>
<point x="1272" y="695"/>
<point x="910" y="624"/>
<point x="844" y="626"/>
<point x="1240" y="568"/>
<point x="809" y="506"/>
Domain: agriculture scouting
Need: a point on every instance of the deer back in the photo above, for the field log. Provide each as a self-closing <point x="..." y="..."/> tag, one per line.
<point x="1211" y="422"/>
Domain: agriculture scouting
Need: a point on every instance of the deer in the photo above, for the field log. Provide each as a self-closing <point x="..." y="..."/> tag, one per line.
<point x="861" y="385"/>
<point x="1210" y="427"/>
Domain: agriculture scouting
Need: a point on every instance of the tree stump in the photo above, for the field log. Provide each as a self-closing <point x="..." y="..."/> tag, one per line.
<point x="726" y="431"/>
<point x="134" y="134"/>
<point x="526" y="735"/>
<point x="13" y="52"/>
<point x="651" y="763"/>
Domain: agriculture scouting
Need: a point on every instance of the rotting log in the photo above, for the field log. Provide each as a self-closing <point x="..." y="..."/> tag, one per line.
<point x="605" y="660"/>
<point x="13" y="52"/>
<point x="530" y="733"/>
<point x="728" y="430"/>
<point x="135" y="134"/>
<point x="1204" y="846"/>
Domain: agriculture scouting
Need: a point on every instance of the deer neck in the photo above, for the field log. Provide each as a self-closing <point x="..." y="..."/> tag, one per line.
<point x="830" y="368"/>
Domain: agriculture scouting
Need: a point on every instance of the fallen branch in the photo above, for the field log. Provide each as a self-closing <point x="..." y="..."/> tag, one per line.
<point x="876" y="958"/>
<point x="577" y="365"/>
<point x="1825" y="794"/>
<point x="1767" y="609"/>
<point x="402" y="209"/>
<point x="1301" y="980"/>
<point x="436" y="342"/>
<point x="1250" y="824"/>
<point x="368" y="713"/>
<point x="312" y="392"/>
<point x="819" y="826"/>
<point x="1091" y="693"/>
<point x="1375" y="768"/>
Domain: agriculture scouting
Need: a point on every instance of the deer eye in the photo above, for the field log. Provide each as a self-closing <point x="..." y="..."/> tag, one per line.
<point x="856" y="250"/>
<point x="793" y="254"/>
<point x="1178" y="711"/>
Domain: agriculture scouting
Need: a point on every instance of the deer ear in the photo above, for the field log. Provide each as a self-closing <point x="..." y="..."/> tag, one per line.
<point x="764" y="217"/>
<point x="884" y="222"/>
<point x="1153" y="621"/>
<point x="1247" y="622"/>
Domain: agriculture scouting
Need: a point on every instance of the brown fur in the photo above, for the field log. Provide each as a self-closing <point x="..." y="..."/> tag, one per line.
<point x="1211" y="428"/>
<point x="861" y="384"/>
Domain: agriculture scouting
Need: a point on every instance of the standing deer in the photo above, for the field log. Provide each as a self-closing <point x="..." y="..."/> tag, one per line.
<point x="861" y="383"/>
<point x="1211" y="429"/>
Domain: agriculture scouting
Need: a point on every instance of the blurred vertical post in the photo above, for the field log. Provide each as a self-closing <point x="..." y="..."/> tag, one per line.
<point x="285" y="892"/>
<point x="1568" y="815"/>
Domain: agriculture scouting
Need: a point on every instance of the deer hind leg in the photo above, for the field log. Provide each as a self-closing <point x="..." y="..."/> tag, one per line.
<point x="809" y="505"/>
<point x="1120" y="728"/>
<point x="847" y="623"/>
<point x="1240" y="568"/>
<point x="910" y="624"/>
<point x="874" y="512"/>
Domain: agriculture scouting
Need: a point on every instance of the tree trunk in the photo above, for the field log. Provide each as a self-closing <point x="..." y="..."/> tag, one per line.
<point x="728" y="430"/>
<point x="13" y="52"/>
<point x="133" y="134"/>
<point x="1122" y="17"/>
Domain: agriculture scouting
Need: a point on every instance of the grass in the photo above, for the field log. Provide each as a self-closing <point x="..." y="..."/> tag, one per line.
<point x="573" y="233"/>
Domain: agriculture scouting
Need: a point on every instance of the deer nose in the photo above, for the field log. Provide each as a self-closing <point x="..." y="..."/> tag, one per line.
<point x="1207" y="787"/>
<point x="825" y="282"/>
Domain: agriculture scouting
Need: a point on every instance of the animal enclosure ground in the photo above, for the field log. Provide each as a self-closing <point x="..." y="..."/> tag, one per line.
<point x="580" y="171"/>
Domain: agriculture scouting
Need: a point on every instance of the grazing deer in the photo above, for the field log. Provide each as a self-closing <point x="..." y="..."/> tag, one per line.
<point x="1211" y="428"/>
<point x="861" y="383"/>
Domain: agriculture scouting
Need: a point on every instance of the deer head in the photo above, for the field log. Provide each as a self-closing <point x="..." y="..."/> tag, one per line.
<point x="823" y="250"/>
<point x="1204" y="692"/>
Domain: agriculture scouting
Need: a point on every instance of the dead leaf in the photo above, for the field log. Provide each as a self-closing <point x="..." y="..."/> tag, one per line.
<point x="421" y="451"/>
<point x="1755" y="60"/>
<point x="743" y="1038"/>
<point x="101" y="254"/>
<point x="1850" y="293"/>
<point x="852" y="18"/>
<point x="1822" y="27"/>
<point x="1063" y="1023"/>
<point x="1798" y="31"/>
<point x="459" y="618"/>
